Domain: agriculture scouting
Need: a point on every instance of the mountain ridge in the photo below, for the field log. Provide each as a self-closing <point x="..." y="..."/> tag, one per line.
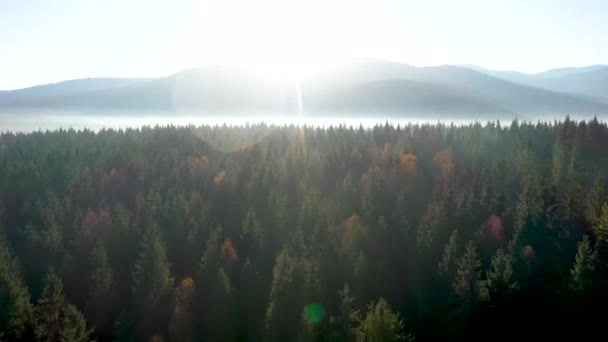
<point x="370" y="85"/>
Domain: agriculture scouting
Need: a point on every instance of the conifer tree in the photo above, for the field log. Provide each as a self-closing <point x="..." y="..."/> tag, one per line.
<point x="466" y="286"/>
<point x="346" y="323"/>
<point x="585" y="262"/>
<point x="56" y="319"/>
<point x="284" y="308"/>
<point x="447" y="265"/>
<point x="381" y="324"/>
<point x="600" y="231"/>
<point x="152" y="284"/>
<point x="15" y="309"/>
<point x="500" y="279"/>
<point x="100" y="303"/>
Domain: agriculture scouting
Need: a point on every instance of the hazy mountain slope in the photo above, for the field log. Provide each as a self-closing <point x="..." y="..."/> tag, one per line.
<point x="369" y="85"/>
<point x="562" y="72"/>
<point x="405" y="97"/>
<point x="519" y="98"/>
<point x="591" y="81"/>
<point x="149" y="94"/>
<point x="40" y="92"/>
<point x="508" y="75"/>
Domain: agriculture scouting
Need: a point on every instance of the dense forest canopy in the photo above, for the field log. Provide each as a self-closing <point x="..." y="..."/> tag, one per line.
<point x="301" y="233"/>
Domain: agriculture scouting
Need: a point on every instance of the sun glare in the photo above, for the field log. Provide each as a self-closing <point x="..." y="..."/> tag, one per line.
<point x="281" y="40"/>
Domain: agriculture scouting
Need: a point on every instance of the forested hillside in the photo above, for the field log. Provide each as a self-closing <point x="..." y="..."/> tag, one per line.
<point x="432" y="232"/>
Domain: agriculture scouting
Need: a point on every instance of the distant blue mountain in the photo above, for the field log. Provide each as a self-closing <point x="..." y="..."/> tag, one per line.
<point x="367" y="86"/>
<point x="590" y="81"/>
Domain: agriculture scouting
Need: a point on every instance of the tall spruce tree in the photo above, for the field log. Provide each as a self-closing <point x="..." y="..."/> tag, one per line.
<point x="152" y="284"/>
<point x="15" y="309"/>
<point x="585" y="264"/>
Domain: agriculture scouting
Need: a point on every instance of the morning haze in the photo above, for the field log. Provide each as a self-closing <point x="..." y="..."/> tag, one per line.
<point x="303" y="170"/>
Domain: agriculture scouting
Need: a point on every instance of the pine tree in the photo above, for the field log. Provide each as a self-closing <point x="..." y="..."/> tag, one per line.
<point x="252" y="300"/>
<point x="152" y="284"/>
<point x="500" y="278"/>
<point x="600" y="231"/>
<point x="558" y="162"/>
<point x="252" y="234"/>
<point x="381" y="324"/>
<point x="49" y="310"/>
<point x="100" y="304"/>
<point x="284" y="307"/>
<point x="593" y="202"/>
<point x="210" y="260"/>
<point x="447" y="265"/>
<point x="56" y="319"/>
<point x="467" y="283"/>
<point x="181" y="326"/>
<point x="219" y="320"/>
<point x="15" y="308"/>
<point x="74" y="326"/>
<point x="346" y="324"/>
<point x="585" y="262"/>
<point x="151" y="275"/>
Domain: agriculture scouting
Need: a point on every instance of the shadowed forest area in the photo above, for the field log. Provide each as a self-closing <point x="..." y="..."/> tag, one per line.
<point x="425" y="232"/>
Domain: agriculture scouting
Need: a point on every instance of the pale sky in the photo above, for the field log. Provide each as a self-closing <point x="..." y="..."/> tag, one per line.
<point x="43" y="41"/>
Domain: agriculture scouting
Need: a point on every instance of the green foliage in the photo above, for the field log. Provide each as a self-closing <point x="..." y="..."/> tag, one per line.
<point x="500" y="280"/>
<point x="283" y="312"/>
<point x="152" y="284"/>
<point x="447" y="266"/>
<point x="56" y="319"/>
<point x="346" y="324"/>
<point x="50" y="309"/>
<point x="584" y="266"/>
<point x="381" y="324"/>
<point x="120" y="214"/>
<point x="600" y="230"/>
<point x="15" y="308"/>
<point x="75" y="327"/>
<point x="210" y="260"/>
<point x="99" y="306"/>
<point x="151" y="275"/>
<point x="467" y="281"/>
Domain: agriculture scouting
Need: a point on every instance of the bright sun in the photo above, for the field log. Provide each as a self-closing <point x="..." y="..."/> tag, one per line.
<point x="278" y="39"/>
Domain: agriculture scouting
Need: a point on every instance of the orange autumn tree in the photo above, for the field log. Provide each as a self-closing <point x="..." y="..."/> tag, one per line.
<point x="408" y="162"/>
<point x="230" y="257"/>
<point x="181" y="325"/>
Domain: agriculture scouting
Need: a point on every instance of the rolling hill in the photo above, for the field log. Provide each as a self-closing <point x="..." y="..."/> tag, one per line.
<point x="364" y="86"/>
<point x="591" y="81"/>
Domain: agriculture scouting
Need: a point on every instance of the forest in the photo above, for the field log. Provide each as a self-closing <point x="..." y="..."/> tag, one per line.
<point x="422" y="232"/>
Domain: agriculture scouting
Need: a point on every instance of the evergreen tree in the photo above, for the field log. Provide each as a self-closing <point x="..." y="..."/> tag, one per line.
<point x="447" y="265"/>
<point x="15" y="308"/>
<point x="600" y="231"/>
<point x="467" y="282"/>
<point x="346" y="323"/>
<point x="593" y="202"/>
<point x="585" y="262"/>
<point x="500" y="278"/>
<point x="181" y="327"/>
<point x="381" y="324"/>
<point x="285" y="306"/>
<point x="56" y="319"/>
<point x="74" y="326"/>
<point x="49" y="310"/>
<point x="152" y="284"/>
<point x="219" y="318"/>
<point x="100" y="305"/>
<point x="252" y="234"/>
<point x="210" y="260"/>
